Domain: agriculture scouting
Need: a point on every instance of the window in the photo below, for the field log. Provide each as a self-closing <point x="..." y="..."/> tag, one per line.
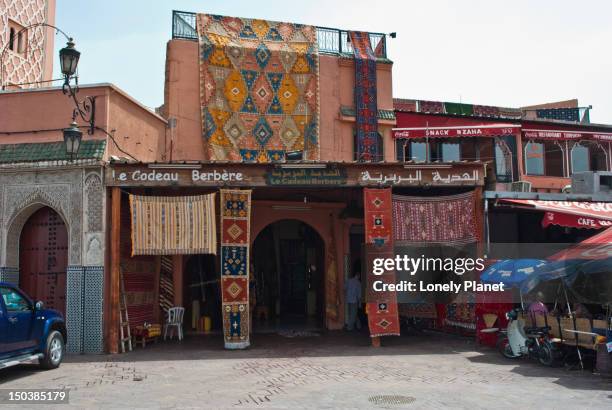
<point x="14" y="301"/>
<point x="419" y="152"/>
<point x="503" y="163"/>
<point x="12" y="39"/>
<point x="18" y="39"/>
<point x="580" y="158"/>
<point x="451" y="152"/>
<point x="534" y="158"/>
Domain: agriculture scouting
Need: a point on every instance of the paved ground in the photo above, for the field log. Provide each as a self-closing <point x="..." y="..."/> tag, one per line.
<point x="332" y="371"/>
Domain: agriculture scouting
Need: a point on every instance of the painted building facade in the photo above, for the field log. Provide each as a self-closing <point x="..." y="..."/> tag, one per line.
<point x="53" y="219"/>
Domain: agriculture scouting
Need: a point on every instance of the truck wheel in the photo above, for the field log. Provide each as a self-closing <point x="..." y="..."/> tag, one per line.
<point x="54" y="351"/>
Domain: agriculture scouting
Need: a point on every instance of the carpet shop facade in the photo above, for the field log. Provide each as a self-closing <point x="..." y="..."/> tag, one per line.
<point x="295" y="229"/>
<point x="263" y="116"/>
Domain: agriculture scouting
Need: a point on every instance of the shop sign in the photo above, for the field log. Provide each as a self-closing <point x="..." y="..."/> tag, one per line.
<point x="421" y="177"/>
<point x="455" y="132"/>
<point x="306" y="176"/>
<point x="174" y="177"/>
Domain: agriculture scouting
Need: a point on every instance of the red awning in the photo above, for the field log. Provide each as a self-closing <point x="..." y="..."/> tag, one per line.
<point x="481" y="130"/>
<point x="593" y="215"/>
<point x="573" y="221"/>
<point x="543" y="134"/>
<point x="595" y="247"/>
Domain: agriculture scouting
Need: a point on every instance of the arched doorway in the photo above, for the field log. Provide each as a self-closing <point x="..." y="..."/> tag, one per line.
<point x="288" y="269"/>
<point x="43" y="258"/>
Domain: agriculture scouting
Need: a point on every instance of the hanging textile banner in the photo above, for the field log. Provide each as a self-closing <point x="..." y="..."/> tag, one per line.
<point x="259" y="88"/>
<point x="235" y="243"/>
<point x="172" y="225"/>
<point x="383" y="318"/>
<point x="447" y="220"/>
<point x="366" y="108"/>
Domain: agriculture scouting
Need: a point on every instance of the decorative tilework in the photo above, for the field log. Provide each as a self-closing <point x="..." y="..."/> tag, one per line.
<point x="74" y="309"/>
<point x="93" y="309"/>
<point x="9" y="275"/>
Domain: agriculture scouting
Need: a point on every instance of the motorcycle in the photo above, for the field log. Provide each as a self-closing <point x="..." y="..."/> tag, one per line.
<point x="519" y="340"/>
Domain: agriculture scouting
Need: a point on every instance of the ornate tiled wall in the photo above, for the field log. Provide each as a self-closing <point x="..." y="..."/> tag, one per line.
<point x="10" y="275"/>
<point x="78" y="196"/>
<point x="27" y="67"/>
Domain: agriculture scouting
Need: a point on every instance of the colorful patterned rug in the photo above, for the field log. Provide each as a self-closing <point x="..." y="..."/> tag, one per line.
<point x="366" y="107"/>
<point x="449" y="220"/>
<point x="235" y="237"/>
<point x="164" y="225"/>
<point x="259" y="88"/>
<point x="381" y="307"/>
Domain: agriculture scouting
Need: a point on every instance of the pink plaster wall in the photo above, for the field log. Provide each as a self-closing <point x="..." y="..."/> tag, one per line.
<point x="31" y="116"/>
<point x="337" y="79"/>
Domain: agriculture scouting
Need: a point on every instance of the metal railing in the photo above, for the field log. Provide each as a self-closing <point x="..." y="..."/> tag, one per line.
<point x="331" y="40"/>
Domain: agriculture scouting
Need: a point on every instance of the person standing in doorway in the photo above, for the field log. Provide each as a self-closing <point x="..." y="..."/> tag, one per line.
<point x="353" y="298"/>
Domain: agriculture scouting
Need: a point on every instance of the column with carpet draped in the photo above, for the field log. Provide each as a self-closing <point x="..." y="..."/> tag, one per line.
<point x="383" y="318"/>
<point x="235" y="241"/>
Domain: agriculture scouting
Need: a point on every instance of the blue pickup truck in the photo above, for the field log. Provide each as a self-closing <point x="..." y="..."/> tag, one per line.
<point x="28" y="331"/>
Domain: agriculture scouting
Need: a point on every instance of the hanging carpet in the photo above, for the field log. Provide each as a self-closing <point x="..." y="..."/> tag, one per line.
<point x="235" y="241"/>
<point x="440" y="220"/>
<point x="163" y="225"/>
<point x="383" y="319"/>
<point x="259" y="88"/>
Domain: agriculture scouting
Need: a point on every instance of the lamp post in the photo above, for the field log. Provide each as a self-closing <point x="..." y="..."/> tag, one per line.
<point x="72" y="139"/>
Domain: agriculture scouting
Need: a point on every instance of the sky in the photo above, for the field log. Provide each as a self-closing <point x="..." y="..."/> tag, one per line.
<point x="503" y="53"/>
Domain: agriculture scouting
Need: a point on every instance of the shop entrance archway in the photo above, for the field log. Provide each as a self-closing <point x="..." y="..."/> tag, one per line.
<point x="43" y="258"/>
<point x="288" y="290"/>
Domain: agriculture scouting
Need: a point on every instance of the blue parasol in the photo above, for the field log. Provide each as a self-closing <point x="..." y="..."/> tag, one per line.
<point x="511" y="272"/>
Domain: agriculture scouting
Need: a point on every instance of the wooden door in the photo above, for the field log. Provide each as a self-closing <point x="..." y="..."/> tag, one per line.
<point x="43" y="259"/>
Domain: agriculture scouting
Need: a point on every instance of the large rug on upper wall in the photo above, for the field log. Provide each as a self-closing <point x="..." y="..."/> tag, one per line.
<point x="259" y="88"/>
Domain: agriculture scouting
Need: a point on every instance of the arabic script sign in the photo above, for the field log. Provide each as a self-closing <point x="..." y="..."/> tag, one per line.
<point x="306" y="177"/>
<point x="421" y="177"/>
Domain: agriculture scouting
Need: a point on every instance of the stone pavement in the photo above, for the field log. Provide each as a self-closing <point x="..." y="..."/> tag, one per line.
<point x="336" y="370"/>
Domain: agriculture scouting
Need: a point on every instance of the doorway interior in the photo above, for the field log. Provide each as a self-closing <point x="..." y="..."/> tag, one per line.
<point x="287" y="292"/>
<point x="201" y="293"/>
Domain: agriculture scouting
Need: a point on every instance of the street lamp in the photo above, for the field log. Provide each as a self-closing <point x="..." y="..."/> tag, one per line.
<point x="69" y="59"/>
<point x="86" y="109"/>
<point x="72" y="139"/>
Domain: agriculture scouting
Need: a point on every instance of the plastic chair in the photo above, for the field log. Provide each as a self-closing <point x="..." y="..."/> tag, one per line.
<point x="174" y="320"/>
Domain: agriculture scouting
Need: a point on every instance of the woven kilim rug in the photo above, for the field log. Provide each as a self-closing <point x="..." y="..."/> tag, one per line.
<point x="170" y="225"/>
<point x="448" y="220"/>
<point x="383" y="319"/>
<point x="259" y="88"/>
<point x="235" y="234"/>
<point x="366" y="108"/>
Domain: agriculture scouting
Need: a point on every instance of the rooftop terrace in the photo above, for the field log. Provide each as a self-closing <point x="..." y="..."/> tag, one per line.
<point x="331" y="40"/>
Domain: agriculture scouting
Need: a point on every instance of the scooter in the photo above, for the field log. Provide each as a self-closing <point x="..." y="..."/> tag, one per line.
<point x="519" y="340"/>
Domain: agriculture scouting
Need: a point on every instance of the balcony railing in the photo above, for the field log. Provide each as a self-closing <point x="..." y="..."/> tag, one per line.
<point x="331" y="40"/>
